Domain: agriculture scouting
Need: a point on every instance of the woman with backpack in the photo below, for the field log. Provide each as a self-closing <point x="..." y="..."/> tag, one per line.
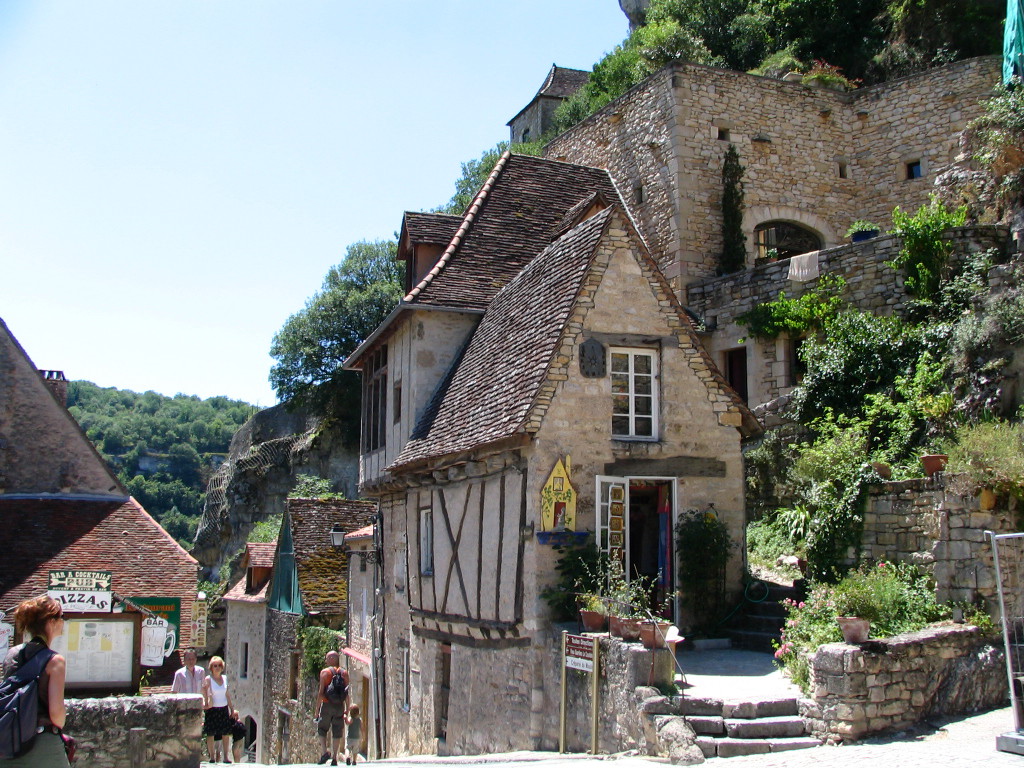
<point x="42" y="618"/>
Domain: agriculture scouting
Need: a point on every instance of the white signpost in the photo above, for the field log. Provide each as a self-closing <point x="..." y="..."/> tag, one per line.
<point x="581" y="653"/>
<point x="82" y="591"/>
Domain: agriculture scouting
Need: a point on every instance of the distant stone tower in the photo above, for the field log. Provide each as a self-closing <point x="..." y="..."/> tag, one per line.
<point x="535" y="118"/>
<point x="636" y="12"/>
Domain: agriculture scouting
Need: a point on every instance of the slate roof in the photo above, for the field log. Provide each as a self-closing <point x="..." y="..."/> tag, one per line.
<point x="493" y="386"/>
<point x="563" y="82"/>
<point x="560" y="83"/>
<point x="432" y="228"/>
<point x="321" y="568"/>
<point x="514" y="217"/>
<point x="43" y="534"/>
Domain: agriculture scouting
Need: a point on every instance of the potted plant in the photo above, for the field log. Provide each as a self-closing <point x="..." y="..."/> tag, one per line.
<point x="933" y="462"/>
<point x="593" y="612"/>
<point x="862" y="230"/>
<point x="854" y="628"/>
<point x="629" y="602"/>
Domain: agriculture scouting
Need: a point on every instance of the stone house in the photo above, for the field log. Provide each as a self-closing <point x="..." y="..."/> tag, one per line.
<point x="815" y="161"/>
<point x="532" y="121"/>
<point x="543" y="344"/>
<point x="307" y="589"/>
<point x="63" y="508"/>
<point x="246" y="641"/>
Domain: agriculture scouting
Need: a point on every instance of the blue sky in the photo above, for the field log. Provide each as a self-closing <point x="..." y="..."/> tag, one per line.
<point x="177" y="177"/>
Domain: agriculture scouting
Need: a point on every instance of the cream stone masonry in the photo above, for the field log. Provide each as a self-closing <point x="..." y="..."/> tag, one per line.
<point x="815" y="157"/>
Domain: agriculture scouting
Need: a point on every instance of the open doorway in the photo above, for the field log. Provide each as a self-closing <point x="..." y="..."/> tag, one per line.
<point x="635" y="521"/>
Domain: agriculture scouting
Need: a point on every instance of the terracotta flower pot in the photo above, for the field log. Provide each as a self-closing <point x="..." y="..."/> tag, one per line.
<point x="854" y="629"/>
<point x="627" y="629"/>
<point x="934" y="462"/>
<point x="652" y="633"/>
<point x="593" y="621"/>
<point x="884" y="470"/>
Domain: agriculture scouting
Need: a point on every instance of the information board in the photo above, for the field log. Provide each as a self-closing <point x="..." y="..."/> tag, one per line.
<point x="579" y="653"/>
<point x="99" y="652"/>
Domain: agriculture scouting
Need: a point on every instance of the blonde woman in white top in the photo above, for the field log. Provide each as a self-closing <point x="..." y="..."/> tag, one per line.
<point x="217" y="724"/>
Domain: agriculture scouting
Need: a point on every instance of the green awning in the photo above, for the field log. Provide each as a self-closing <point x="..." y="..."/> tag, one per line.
<point x="1013" y="41"/>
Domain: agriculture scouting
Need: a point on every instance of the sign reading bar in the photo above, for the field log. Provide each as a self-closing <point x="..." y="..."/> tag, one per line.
<point x="579" y="653"/>
<point x="81" y="591"/>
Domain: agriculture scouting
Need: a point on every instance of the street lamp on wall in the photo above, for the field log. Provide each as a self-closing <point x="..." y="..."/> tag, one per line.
<point x="338" y="541"/>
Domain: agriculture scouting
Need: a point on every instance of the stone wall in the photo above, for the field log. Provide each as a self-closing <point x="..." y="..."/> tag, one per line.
<point x="246" y="624"/>
<point x="890" y="684"/>
<point x="871" y="285"/>
<point x="137" y="731"/>
<point x="926" y="523"/>
<point x="815" y="157"/>
<point x="289" y="733"/>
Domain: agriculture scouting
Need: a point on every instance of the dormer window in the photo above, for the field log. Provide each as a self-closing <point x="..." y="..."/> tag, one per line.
<point x="634" y="375"/>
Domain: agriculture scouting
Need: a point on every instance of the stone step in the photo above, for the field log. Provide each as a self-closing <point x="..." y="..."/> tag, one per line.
<point x="766" y="727"/>
<point x="738" y="710"/>
<point x="729" y="747"/>
<point x="752" y="640"/>
<point x="707" y="724"/>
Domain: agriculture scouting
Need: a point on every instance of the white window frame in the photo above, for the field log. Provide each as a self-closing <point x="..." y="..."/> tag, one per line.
<point x="632" y="415"/>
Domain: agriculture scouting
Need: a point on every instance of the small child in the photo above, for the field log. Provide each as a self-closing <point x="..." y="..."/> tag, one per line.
<point x="353" y="735"/>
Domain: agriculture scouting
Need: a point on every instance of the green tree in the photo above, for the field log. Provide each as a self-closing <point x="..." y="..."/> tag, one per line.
<point x="355" y="297"/>
<point x="734" y="249"/>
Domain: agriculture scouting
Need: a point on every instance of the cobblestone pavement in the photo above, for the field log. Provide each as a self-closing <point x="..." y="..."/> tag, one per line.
<point x="968" y="742"/>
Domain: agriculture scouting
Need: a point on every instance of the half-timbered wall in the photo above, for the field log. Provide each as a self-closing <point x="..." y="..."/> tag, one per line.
<point x="474" y="578"/>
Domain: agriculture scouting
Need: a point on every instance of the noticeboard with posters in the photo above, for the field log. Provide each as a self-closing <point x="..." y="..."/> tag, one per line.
<point x="102" y="651"/>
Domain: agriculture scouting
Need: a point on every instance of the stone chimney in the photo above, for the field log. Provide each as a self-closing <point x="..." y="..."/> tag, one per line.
<point x="58" y="385"/>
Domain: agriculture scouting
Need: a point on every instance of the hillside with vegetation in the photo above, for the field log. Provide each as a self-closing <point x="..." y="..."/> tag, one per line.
<point x="164" y="449"/>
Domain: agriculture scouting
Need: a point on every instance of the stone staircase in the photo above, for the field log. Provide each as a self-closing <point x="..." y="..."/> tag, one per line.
<point x="758" y="625"/>
<point x="760" y="726"/>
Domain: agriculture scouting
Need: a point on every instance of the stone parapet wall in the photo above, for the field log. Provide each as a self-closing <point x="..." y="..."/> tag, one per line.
<point x="890" y="684"/>
<point x="925" y="523"/>
<point x="871" y="285"/>
<point x="815" y="157"/>
<point x="162" y="731"/>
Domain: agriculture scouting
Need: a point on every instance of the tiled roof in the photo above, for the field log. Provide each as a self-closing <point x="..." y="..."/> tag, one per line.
<point x="238" y="593"/>
<point x="260" y="554"/>
<point x="363" y="533"/>
<point x="43" y="534"/>
<point x="433" y="228"/>
<point x="321" y="568"/>
<point x="513" y="218"/>
<point x="563" y="82"/>
<point x="494" y="384"/>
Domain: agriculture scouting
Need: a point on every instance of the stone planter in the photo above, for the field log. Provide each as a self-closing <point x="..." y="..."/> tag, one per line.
<point x="627" y="629"/>
<point x="934" y="462"/>
<point x="652" y="633"/>
<point x="593" y="621"/>
<point x="855" y="630"/>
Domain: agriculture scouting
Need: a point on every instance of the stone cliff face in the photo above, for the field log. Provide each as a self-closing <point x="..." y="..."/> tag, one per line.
<point x="265" y="457"/>
<point x="636" y="12"/>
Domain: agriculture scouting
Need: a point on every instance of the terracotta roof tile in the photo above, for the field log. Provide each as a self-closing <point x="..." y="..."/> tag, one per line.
<point x="321" y="568"/>
<point x="238" y="593"/>
<point x="260" y="554"/>
<point x="365" y="532"/>
<point x="512" y="219"/>
<point x="43" y="534"/>
<point x="493" y="385"/>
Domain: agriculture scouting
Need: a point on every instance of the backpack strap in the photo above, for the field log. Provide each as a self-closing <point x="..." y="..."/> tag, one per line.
<point x="32" y="668"/>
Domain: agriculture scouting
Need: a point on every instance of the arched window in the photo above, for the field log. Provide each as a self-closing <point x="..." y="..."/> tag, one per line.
<point x="782" y="239"/>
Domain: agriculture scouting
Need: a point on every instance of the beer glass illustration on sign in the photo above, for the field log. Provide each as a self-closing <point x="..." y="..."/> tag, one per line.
<point x="158" y="641"/>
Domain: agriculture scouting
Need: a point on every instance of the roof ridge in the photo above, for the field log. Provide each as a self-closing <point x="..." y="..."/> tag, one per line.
<point x="467" y="221"/>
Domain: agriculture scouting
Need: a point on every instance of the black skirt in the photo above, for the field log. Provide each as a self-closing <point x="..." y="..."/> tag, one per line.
<point x="217" y="722"/>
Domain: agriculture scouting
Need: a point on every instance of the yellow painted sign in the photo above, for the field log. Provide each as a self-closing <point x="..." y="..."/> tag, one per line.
<point x="558" y="499"/>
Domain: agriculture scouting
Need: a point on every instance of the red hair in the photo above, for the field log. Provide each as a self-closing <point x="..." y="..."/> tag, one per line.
<point x="32" y="615"/>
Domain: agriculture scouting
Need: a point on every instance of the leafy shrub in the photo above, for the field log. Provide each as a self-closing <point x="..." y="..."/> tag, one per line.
<point x="830" y="76"/>
<point x="773" y="537"/>
<point x="316" y="642"/>
<point x="703" y="546"/>
<point x="582" y="570"/>
<point x="991" y="455"/>
<point x="895" y="598"/>
<point x="796" y="317"/>
<point x="925" y="253"/>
